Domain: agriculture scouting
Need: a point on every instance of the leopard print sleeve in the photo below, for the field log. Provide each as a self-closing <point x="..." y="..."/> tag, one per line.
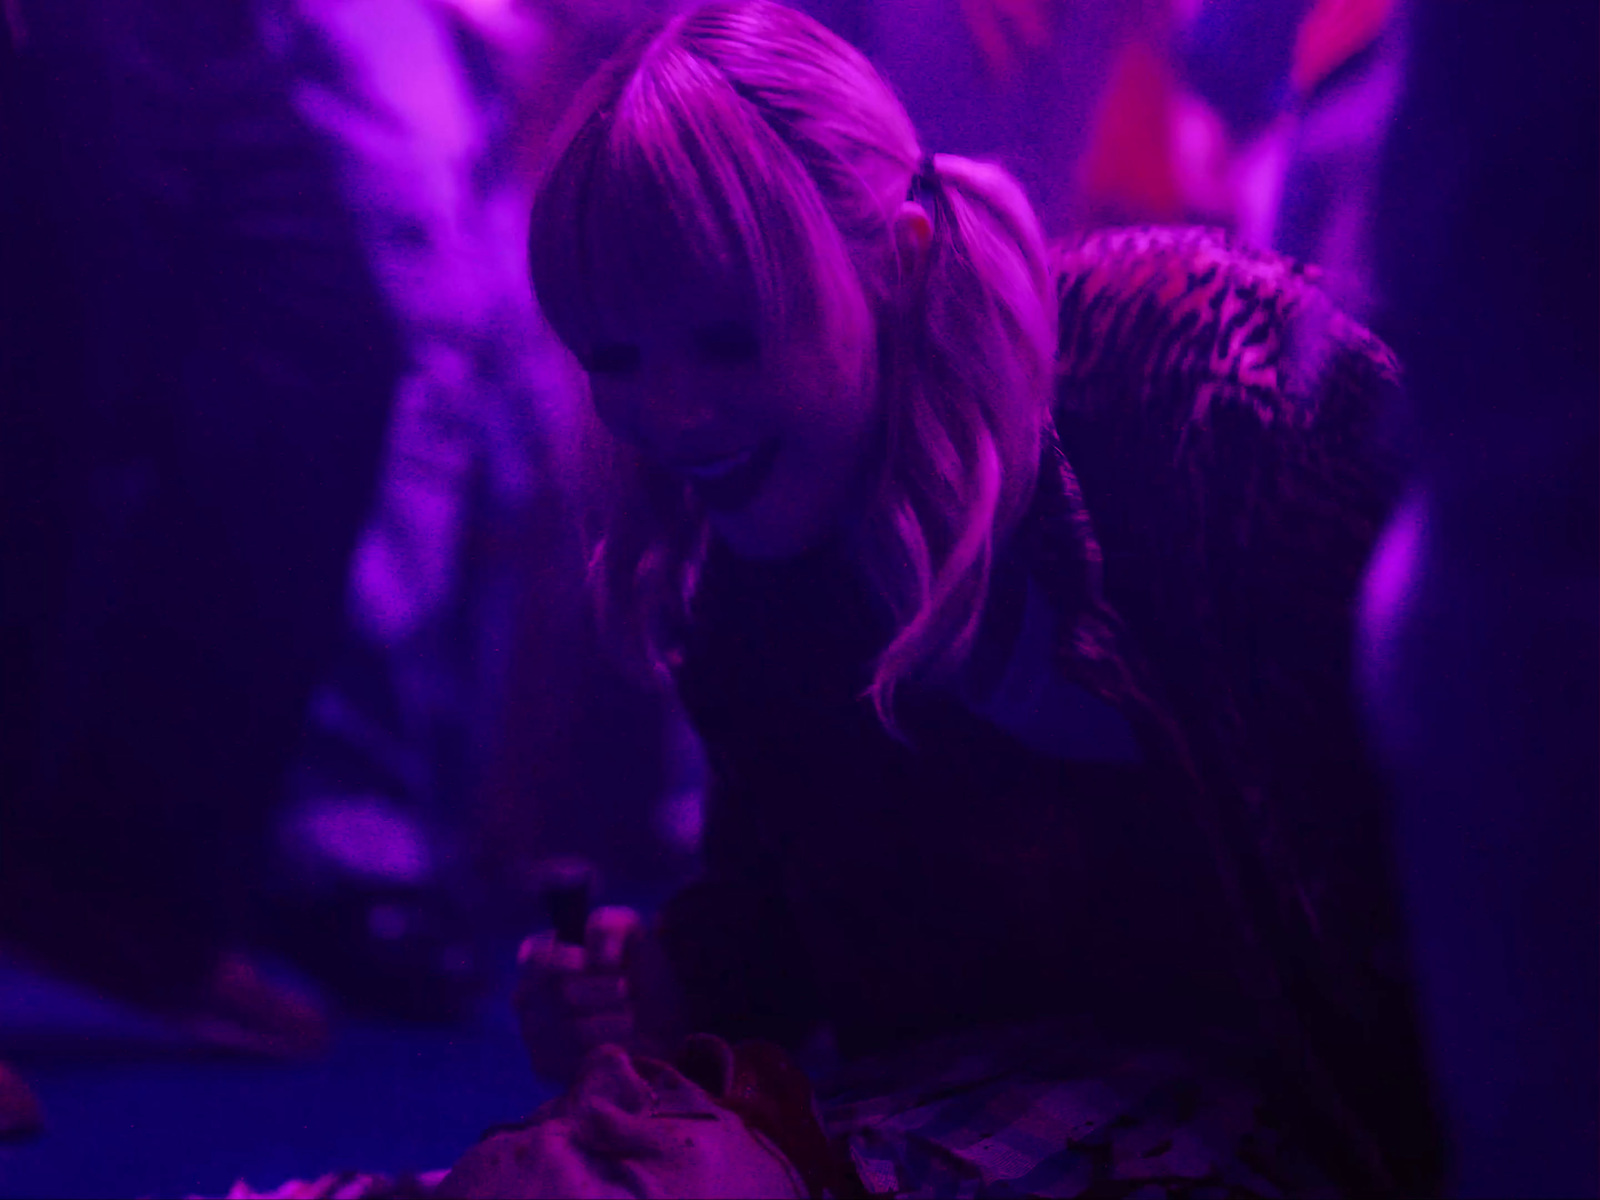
<point x="1164" y="306"/>
<point x="1230" y="431"/>
<point x="1228" y="427"/>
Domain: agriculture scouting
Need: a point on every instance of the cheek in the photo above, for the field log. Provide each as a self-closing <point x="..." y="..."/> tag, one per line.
<point x="832" y="444"/>
<point x="824" y="401"/>
<point x="838" y="427"/>
<point x="617" y="409"/>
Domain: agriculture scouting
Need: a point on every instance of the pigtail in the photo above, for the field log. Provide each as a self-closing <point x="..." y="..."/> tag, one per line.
<point x="968" y="339"/>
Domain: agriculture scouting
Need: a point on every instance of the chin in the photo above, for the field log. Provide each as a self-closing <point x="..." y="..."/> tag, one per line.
<point x="749" y="540"/>
<point x="766" y="532"/>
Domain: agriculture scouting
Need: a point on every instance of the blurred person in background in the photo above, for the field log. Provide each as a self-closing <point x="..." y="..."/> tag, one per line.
<point x="267" y="316"/>
<point x="1019" y="82"/>
<point x="1480" y="651"/>
<point x="425" y="103"/>
<point x="1282" y="121"/>
<point x="1265" y="119"/>
<point x="465" y="735"/>
<point x="199" y="366"/>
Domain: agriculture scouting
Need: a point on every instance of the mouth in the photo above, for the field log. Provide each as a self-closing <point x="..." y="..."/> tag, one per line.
<point x="728" y="484"/>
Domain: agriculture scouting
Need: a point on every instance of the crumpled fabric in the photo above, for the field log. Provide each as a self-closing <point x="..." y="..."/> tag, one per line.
<point x="346" y="1185"/>
<point x="630" y="1127"/>
<point x="1045" y="1111"/>
<point x="723" y="1122"/>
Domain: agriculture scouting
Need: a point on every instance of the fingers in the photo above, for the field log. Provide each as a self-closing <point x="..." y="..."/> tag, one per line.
<point x="611" y="934"/>
<point x="528" y="951"/>
<point x="570" y="999"/>
<point x="588" y="993"/>
<point x="541" y="953"/>
<point x="588" y="978"/>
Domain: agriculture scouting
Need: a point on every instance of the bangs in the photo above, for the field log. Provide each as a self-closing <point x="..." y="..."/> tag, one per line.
<point x="740" y="156"/>
<point x="678" y="186"/>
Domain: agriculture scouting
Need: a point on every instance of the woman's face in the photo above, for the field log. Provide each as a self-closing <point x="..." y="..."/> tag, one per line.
<point x="775" y="440"/>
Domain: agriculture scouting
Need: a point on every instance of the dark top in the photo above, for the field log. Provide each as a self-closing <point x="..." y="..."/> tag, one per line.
<point x="959" y="880"/>
<point x="1212" y="482"/>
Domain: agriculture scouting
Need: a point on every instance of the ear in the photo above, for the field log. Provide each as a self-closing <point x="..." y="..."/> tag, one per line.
<point x="913" y="230"/>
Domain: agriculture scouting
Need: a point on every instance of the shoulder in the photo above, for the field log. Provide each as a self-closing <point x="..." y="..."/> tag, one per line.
<point x="1148" y="307"/>
<point x="1230" y="429"/>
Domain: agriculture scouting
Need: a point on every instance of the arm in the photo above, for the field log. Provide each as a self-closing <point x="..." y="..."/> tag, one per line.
<point x="723" y="960"/>
<point x="1227" y="426"/>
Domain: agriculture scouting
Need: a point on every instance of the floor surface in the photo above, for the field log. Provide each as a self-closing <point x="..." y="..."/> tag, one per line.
<point x="134" y="1110"/>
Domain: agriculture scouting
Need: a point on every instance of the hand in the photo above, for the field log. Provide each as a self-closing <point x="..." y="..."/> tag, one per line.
<point x="570" y="999"/>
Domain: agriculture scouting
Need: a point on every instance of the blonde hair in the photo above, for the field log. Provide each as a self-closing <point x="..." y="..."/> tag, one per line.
<point x="743" y="140"/>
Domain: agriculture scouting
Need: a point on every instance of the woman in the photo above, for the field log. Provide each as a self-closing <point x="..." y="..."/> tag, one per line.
<point x="1009" y="591"/>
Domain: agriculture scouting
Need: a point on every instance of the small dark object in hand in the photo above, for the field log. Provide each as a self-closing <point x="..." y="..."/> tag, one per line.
<point x="569" y="888"/>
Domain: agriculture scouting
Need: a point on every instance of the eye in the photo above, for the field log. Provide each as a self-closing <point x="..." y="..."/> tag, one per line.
<point x="612" y="358"/>
<point x="727" y="343"/>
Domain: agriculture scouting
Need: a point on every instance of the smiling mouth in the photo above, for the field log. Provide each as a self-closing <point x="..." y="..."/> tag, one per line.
<point x="730" y="483"/>
<point x="719" y="468"/>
